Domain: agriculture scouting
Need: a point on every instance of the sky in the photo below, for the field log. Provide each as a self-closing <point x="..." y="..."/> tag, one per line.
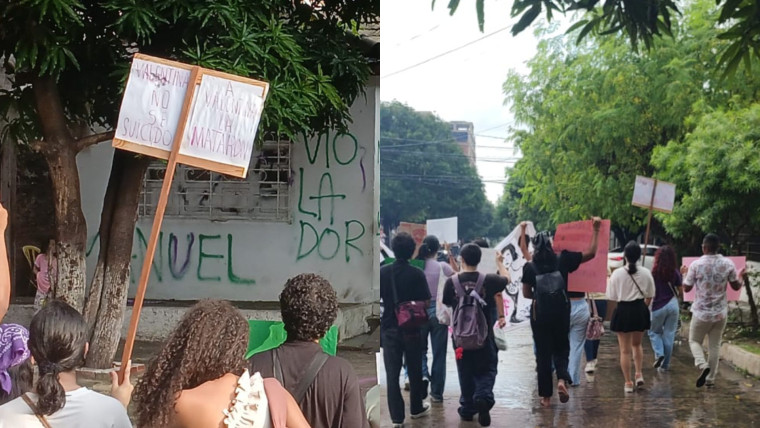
<point x="465" y="84"/>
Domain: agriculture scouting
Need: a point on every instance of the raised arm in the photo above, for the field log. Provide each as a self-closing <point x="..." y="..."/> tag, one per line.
<point x="591" y="250"/>
<point x="5" y="272"/>
<point x="501" y="268"/>
<point x="452" y="260"/>
<point x="524" y="241"/>
<point x="739" y="283"/>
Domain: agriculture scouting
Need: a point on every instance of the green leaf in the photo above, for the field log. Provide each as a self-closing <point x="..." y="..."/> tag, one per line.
<point x="453" y="5"/>
<point x="479" y="5"/>
<point x="527" y="19"/>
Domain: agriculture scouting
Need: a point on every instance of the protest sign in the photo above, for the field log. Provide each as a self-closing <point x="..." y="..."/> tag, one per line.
<point x="661" y="195"/>
<point x="190" y="115"/>
<point x="445" y="229"/>
<point x="591" y="277"/>
<point x="516" y="306"/>
<point x="418" y="232"/>
<point x="732" y="295"/>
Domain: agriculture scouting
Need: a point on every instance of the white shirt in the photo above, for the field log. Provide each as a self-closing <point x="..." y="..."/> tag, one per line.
<point x="621" y="287"/>
<point x="709" y="275"/>
<point x="84" y="408"/>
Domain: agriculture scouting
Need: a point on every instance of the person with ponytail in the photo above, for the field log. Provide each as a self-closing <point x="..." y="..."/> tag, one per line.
<point x="545" y="281"/>
<point x="58" y="344"/>
<point x="632" y="287"/>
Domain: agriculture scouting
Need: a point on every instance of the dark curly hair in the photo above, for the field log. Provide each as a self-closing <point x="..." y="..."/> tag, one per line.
<point x="309" y="307"/>
<point x="210" y="341"/>
<point x="664" y="263"/>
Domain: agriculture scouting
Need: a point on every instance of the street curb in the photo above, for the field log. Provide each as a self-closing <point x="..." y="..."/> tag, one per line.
<point x="740" y="358"/>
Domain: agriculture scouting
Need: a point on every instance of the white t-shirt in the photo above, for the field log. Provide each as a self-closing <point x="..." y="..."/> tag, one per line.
<point x="84" y="408"/>
<point x="622" y="288"/>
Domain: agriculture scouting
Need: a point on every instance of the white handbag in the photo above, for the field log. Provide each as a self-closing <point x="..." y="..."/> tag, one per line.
<point x="442" y="312"/>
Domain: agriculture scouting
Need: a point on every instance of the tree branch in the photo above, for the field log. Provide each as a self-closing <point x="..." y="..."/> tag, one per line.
<point x="93" y="139"/>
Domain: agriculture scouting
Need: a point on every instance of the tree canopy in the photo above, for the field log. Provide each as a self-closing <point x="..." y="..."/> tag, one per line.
<point x="425" y="175"/>
<point x="643" y="21"/>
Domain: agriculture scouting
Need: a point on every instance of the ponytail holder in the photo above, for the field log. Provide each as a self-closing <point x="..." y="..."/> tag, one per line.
<point x="50" y="368"/>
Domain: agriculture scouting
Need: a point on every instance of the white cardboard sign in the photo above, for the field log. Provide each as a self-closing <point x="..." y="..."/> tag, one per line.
<point x="152" y="104"/>
<point x="664" y="195"/>
<point x="223" y="120"/>
<point x="445" y="229"/>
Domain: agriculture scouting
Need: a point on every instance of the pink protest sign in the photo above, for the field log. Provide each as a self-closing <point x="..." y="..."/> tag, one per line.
<point x="732" y="295"/>
<point x="591" y="277"/>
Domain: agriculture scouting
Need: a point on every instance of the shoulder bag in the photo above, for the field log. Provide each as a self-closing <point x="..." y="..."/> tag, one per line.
<point x="595" y="327"/>
<point x="411" y="314"/>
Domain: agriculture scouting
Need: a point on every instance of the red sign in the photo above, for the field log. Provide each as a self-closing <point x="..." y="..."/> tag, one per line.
<point x="591" y="277"/>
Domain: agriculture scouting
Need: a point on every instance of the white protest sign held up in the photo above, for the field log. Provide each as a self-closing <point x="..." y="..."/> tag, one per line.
<point x="151" y="106"/>
<point x="445" y="229"/>
<point x="664" y="194"/>
<point x="222" y="125"/>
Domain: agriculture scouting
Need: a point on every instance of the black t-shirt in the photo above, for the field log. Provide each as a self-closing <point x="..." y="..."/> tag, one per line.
<point x="567" y="262"/>
<point x="492" y="285"/>
<point x="411" y="284"/>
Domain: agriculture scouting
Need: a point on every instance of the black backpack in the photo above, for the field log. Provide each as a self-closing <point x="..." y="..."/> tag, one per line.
<point x="550" y="301"/>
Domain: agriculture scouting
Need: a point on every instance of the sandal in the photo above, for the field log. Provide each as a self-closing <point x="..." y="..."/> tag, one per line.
<point x="628" y="388"/>
<point x="639" y="380"/>
<point x="562" y="392"/>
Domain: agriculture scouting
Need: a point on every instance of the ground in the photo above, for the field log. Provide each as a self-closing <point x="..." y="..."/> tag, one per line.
<point x="667" y="400"/>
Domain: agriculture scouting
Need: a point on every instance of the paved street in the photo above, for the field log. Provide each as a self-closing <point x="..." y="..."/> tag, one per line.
<point x="667" y="400"/>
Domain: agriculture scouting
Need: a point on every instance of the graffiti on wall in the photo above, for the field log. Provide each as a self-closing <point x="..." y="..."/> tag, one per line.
<point x="320" y="235"/>
<point x="194" y="256"/>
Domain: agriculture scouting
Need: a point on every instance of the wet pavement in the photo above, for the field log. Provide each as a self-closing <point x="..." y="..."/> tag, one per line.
<point x="667" y="400"/>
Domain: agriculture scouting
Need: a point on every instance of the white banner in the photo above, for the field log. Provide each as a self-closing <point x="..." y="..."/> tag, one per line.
<point x="445" y="229"/>
<point x="516" y="306"/>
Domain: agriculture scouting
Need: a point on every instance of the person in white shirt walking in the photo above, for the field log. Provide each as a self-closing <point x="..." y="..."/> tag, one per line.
<point x="708" y="275"/>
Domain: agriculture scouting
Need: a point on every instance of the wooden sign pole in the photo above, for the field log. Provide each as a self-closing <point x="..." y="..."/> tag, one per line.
<point x="158" y="218"/>
<point x="649" y="221"/>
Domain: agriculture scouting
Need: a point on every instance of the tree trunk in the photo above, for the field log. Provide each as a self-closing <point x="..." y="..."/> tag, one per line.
<point x="108" y="293"/>
<point x="753" y="315"/>
<point x="60" y="150"/>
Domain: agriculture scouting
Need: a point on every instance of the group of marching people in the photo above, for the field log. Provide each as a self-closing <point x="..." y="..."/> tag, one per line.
<point x="564" y="323"/>
<point x="200" y="377"/>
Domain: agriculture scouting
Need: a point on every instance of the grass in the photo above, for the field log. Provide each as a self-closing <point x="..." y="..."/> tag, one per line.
<point x="751" y="347"/>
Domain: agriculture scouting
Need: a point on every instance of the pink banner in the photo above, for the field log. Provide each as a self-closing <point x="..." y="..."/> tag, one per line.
<point x="591" y="277"/>
<point x="732" y="295"/>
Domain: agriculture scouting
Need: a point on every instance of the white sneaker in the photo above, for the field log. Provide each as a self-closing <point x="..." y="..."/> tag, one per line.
<point x="425" y="411"/>
<point x="591" y="366"/>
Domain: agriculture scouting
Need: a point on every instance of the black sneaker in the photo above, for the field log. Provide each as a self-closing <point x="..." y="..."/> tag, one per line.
<point x="425" y="411"/>
<point x="484" y="415"/>
<point x="703" y="377"/>
<point x="658" y="362"/>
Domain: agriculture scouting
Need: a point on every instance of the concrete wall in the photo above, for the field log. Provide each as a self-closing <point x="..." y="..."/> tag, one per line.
<point x="335" y="208"/>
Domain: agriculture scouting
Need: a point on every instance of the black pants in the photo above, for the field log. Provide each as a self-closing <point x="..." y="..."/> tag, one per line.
<point x="552" y="346"/>
<point x="477" y="375"/>
<point x="403" y="345"/>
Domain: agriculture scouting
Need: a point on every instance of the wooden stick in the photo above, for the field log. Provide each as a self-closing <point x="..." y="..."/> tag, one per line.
<point x="158" y="218"/>
<point x="649" y="222"/>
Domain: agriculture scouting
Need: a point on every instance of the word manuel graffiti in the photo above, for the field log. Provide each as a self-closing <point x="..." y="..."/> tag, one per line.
<point x="175" y="257"/>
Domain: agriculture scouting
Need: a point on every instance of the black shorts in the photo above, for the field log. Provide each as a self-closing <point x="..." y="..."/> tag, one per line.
<point x="631" y="316"/>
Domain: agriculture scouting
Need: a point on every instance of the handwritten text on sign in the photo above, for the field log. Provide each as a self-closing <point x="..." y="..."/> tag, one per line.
<point x="732" y="295"/>
<point x="152" y="103"/>
<point x="223" y="121"/>
<point x="591" y="277"/>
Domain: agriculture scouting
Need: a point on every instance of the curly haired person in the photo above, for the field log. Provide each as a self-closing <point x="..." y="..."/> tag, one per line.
<point x="309" y="307"/>
<point x="199" y="378"/>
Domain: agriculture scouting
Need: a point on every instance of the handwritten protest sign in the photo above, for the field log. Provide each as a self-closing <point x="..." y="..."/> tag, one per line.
<point x="733" y="295"/>
<point x="591" y="277"/>
<point x="445" y="229"/>
<point x="151" y="106"/>
<point x="664" y="194"/>
<point x="516" y="306"/>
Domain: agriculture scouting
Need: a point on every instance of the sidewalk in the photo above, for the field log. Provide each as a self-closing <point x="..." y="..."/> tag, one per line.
<point x="667" y="400"/>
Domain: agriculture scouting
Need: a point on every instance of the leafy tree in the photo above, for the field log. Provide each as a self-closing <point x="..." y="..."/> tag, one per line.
<point x="424" y="174"/>
<point x="67" y="61"/>
<point x="643" y="20"/>
<point x="512" y="209"/>
<point x="593" y="114"/>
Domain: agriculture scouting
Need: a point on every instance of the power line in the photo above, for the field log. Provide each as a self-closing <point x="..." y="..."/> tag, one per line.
<point x="445" y="53"/>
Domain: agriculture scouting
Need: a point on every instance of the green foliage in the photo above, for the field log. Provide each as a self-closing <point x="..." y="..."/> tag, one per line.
<point x="424" y="174"/>
<point x="309" y="55"/>
<point x="646" y="21"/>
<point x="716" y="169"/>
<point x="592" y="114"/>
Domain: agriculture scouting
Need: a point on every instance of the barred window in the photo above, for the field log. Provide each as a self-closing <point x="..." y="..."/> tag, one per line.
<point x="198" y="193"/>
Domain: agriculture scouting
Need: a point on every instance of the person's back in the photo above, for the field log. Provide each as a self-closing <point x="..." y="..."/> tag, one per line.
<point x="309" y="306"/>
<point x="83" y="408"/>
<point x="333" y="399"/>
<point x="709" y="275"/>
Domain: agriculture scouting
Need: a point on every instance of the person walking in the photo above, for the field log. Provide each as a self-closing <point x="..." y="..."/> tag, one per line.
<point x="473" y="293"/>
<point x="708" y="276"/>
<point x="598" y="303"/>
<point x="402" y="283"/>
<point x="665" y="310"/>
<point x="435" y="273"/>
<point x="545" y="281"/>
<point x="632" y="287"/>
